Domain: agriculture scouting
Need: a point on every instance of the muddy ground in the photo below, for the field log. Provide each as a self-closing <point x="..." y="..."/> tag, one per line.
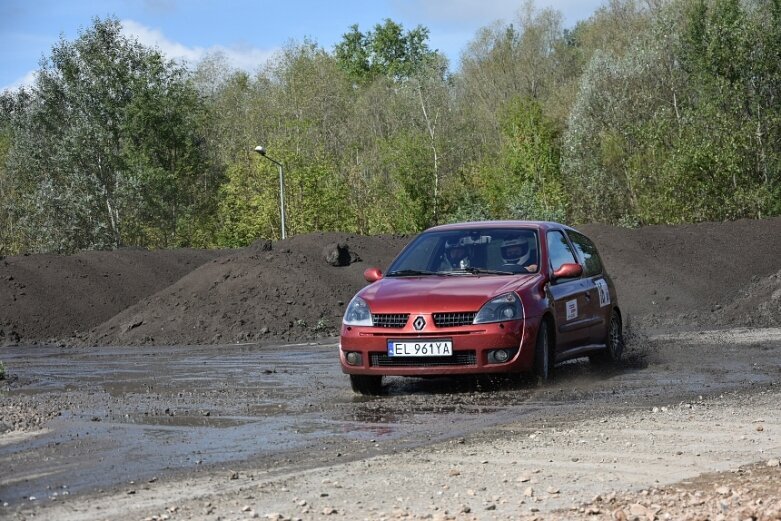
<point x="143" y="385"/>
<point x="706" y="275"/>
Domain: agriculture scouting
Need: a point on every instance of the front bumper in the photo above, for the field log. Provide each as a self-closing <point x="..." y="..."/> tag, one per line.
<point x="472" y="346"/>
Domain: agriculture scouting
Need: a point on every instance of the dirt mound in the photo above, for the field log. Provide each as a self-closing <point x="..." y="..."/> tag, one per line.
<point x="668" y="278"/>
<point x="53" y="296"/>
<point x="758" y="305"/>
<point x="287" y="291"/>
<point x="678" y="277"/>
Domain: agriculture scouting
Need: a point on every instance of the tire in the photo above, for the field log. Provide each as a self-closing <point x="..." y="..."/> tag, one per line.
<point x="543" y="356"/>
<point x="368" y="385"/>
<point x="614" y="343"/>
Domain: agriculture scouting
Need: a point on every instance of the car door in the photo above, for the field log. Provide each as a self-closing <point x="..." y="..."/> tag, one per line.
<point x="598" y="292"/>
<point x="568" y="296"/>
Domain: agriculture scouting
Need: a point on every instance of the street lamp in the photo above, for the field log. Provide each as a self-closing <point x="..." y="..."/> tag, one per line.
<point x="262" y="151"/>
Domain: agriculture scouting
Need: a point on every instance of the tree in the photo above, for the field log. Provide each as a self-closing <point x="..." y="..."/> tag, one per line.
<point x="523" y="181"/>
<point x="385" y="51"/>
<point x="106" y="150"/>
<point x="683" y="127"/>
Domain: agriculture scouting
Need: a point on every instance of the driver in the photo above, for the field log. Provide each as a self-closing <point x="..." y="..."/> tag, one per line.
<point x="518" y="251"/>
<point x="456" y="255"/>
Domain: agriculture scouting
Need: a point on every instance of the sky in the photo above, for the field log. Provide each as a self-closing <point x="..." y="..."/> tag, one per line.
<point x="246" y="32"/>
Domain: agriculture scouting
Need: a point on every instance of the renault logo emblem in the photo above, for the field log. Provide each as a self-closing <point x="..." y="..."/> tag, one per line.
<point x="419" y="323"/>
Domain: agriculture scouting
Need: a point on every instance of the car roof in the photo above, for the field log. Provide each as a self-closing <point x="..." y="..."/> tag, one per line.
<point x="539" y="225"/>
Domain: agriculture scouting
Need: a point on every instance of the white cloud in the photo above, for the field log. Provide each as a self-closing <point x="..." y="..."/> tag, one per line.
<point x="240" y="57"/>
<point x="25" y="81"/>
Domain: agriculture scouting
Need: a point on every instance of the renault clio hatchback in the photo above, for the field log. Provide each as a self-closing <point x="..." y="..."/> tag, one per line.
<point x="482" y="297"/>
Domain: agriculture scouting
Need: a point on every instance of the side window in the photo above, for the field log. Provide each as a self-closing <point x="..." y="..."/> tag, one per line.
<point x="558" y="250"/>
<point x="592" y="265"/>
<point x="420" y="256"/>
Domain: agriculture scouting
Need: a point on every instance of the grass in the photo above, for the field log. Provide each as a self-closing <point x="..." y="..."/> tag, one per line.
<point x="2" y="370"/>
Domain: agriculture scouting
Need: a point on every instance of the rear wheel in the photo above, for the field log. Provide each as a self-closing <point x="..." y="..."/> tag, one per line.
<point x="543" y="359"/>
<point x="366" y="384"/>
<point x="614" y="343"/>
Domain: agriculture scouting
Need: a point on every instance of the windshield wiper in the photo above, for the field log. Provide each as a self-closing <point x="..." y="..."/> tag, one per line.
<point x="409" y="273"/>
<point x="481" y="271"/>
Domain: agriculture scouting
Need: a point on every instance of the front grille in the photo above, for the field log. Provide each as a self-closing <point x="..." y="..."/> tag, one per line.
<point x="458" y="358"/>
<point x="390" y="320"/>
<point x="454" y="319"/>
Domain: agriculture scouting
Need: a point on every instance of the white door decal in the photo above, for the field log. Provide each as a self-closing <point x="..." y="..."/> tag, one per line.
<point x="572" y="309"/>
<point x="604" y="292"/>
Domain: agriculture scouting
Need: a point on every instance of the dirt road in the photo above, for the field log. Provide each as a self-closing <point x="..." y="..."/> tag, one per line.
<point x="135" y="432"/>
<point x="204" y="409"/>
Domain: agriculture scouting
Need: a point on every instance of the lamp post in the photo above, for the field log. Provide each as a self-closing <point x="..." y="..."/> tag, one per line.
<point x="262" y="151"/>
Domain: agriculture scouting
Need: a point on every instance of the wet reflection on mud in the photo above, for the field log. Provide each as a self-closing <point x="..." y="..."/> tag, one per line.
<point x="131" y="413"/>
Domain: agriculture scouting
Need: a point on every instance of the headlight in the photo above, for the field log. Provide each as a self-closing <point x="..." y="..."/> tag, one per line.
<point x="500" y="309"/>
<point x="358" y="313"/>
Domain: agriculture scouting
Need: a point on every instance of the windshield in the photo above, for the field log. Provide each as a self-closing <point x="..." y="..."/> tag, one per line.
<point x="492" y="251"/>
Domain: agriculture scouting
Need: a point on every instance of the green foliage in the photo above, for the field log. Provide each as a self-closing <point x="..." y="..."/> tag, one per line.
<point x="105" y="148"/>
<point x="523" y="180"/>
<point x="682" y="128"/>
<point x="647" y="112"/>
<point x="248" y="205"/>
<point x="386" y="51"/>
<point x="316" y="199"/>
<point x="533" y="156"/>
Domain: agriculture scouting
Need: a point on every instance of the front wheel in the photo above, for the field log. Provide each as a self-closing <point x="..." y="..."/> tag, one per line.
<point x="614" y="343"/>
<point x="543" y="366"/>
<point x="369" y="385"/>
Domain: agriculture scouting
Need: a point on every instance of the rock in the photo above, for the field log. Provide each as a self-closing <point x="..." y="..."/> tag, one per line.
<point x="523" y="478"/>
<point x="760" y="428"/>
<point x="10" y="338"/>
<point x="454" y="472"/>
<point x="723" y="490"/>
<point x="233" y="475"/>
<point x="339" y="254"/>
<point x="133" y="325"/>
<point x="327" y="511"/>
<point x="770" y="463"/>
<point x="552" y="490"/>
<point x="638" y="510"/>
<point x="261" y="245"/>
<point x="620" y="515"/>
<point x="529" y="492"/>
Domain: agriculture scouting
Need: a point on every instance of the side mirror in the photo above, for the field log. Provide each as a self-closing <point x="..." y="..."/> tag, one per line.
<point x="567" y="271"/>
<point x="372" y="274"/>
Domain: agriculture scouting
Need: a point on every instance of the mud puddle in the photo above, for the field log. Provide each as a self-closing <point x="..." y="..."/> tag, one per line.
<point x="132" y="415"/>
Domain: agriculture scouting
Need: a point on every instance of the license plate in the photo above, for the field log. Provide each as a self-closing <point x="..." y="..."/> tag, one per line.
<point x="420" y="348"/>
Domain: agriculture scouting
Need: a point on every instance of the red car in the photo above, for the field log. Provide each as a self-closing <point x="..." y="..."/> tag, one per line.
<point x="482" y="297"/>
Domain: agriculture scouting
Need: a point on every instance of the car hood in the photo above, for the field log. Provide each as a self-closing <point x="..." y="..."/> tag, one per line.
<point x="438" y="293"/>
